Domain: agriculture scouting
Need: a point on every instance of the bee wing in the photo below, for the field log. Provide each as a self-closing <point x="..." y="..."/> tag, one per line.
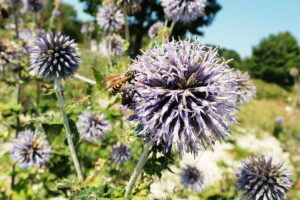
<point x="111" y="80"/>
<point x="122" y="80"/>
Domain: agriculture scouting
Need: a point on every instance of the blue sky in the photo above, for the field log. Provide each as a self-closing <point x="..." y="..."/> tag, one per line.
<point x="241" y="24"/>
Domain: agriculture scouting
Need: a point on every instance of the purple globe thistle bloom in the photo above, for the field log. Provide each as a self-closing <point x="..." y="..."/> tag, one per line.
<point x="183" y="10"/>
<point x="279" y="120"/>
<point x="54" y="56"/>
<point x="121" y="153"/>
<point x="192" y="179"/>
<point x="294" y="72"/>
<point x="112" y="45"/>
<point x="153" y="30"/>
<point x="186" y="96"/>
<point x="30" y="149"/>
<point x="92" y="127"/>
<point x="109" y="18"/>
<point x="245" y="88"/>
<point x="260" y="178"/>
<point x="33" y="5"/>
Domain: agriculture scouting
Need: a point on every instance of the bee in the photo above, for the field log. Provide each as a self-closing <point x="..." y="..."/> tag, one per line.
<point x="118" y="81"/>
<point x="128" y="95"/>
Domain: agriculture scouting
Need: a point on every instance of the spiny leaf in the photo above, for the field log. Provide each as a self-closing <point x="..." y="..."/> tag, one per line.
<point x="75" y="104"/>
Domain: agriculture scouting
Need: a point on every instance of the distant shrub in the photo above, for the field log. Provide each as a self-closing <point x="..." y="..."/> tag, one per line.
<point x="269" y="90"/>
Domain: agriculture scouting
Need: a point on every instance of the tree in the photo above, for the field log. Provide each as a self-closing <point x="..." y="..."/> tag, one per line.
<point x="273" y="57"/>
<point x="231" y="54"/>
<point x="151" y="12"/>
<point x="66" y="22"/>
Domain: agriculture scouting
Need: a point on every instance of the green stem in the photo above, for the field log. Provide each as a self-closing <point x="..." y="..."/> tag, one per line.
<point x="127" y="34"/>
<point x="18" y="85"/>
<point x="172" y="28"/>
<point x="53" y="15"/>
<point x="138" y="169"/>
<point x="60" y="99"/>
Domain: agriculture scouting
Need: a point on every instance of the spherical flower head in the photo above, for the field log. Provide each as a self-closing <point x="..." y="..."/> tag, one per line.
<point x="261" y="178"/>
<point x="30" y="149"/>
<point x="33" y="5"/>
<point x="54" y="56"/>
<point x="92" y="127"/>
<point x="294" y="72"/>
<point x="183" y="10"/>
<point x="84" y="28"/>
<point x="121" y="153"/>
<point x="112" y="46"/>
<point x="186" y="95"/>
<point x="109" y="18"/>
<point x="192" y="179"/>
<point x="279" y="120"/>
<point x="153" y="30"/>
<point x="245" y="88"/>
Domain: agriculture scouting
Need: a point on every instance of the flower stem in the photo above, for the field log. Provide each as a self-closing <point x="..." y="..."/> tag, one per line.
<point x="172" y="28"/>
<point x="127" y="34"/>
<point x="53" y="15"/>
<point x="138" y="168"/>
<point x="18" y="85"/>
<point x="60" y="99"/>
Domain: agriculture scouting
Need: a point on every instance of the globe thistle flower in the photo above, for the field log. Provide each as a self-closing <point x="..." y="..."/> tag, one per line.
<point x="84" y="28"/>
<point x="92" y="127"/>
<point x="261" y="178"/>
<point x="153" y="30"/>
<point x="112" y="45"/>
<point x="54" y="56"/>
<point x="30" y="149"/>
<point x="279" y="120"/>
<point x="245" y="88"/>
<point x="121" y="153"/>
<point x="192" y="179"/>
<point x="294" y="72"/>
<point x="131" y="6"/>
<point x="91" y="27"/>
<point x="183" y="10"/>
<point x="186" y="96"/>
<point x="109" y="18"/>
<point x="33" y="5"/>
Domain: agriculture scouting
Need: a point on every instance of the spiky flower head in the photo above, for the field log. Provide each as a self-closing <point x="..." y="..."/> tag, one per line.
<point x="112" y="45"/>
<point x="186" y="95"/>
<point x="183" y="10"/>
<point x="153" y="30"/>
<point x="30" y="149"/>
<point x="109" y="18"/>
<point x="262" y="179"/>
<point x="54" y="56"/>
<point x="192" y="179"/>
<point x="131" y="6"/>
<point x="246" y="89"/>
<point x="84" y="28"/>
<point x="92" y="127"/>
<point x="279" y="120"/>
<point x="33" y="5"/>
<point x="294" y="72"/>
<point x="121" y="153"/>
